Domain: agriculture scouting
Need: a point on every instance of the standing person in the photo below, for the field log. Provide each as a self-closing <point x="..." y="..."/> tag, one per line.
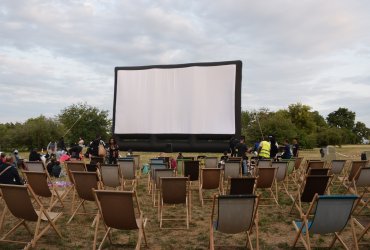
<point x="180" y="156"/>
<point x="274" y="147"/>
<point x="61" y="145"/>
<point x="295" y="147"/>
<point x="264" y="149"/>
<point x="242" y="150"/>
<point x="9" y="173"/>
<point x="113" y="151"/>
<point x="232" y="144"/>
<point x="287" y="154"/>
<point x="94" y="146"/>
<point x="34" y="155"/>
<point x="15" y="157"/>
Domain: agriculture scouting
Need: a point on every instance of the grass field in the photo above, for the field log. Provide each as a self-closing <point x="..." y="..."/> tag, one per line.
<point x="276" y="230"/>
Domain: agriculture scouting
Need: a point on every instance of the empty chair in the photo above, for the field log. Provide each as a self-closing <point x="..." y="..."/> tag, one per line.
<point x="151" y="176"/>
<point x="336" y="167"/>
<point x="265" y="181"/>
<point x="318" y="171"/>
<point x="232" y="170"/>
<point x="73" y="166"/>
<point x="35" y="166"/>
<point x="297" y="169"/>
<point x="312" y="184"/>
<point x="128" y="172"/>
<point x="174" y="191"/>
<point x="39" y="182"/>
<point x="360" y="186"/>
<point x="364" y="224"/>
<point x="119" y="210"/>
<point x="281" y="176"/>
<point x="210" y="162"/>
<point x="210" y="178"/>
<point x="314" y="165"/>
<point x="84" y="183"/>
<point x="18" y="202"/>
<point x="264" y="163"/>
<point x="354" y="169"/>
<point x="330" y="215"/>
<point x="158" y="174"/>
<point x="155" y="160"/>
<point x="110" y="176"/>
<point x="235" y="214"/>
<point x="241" y="185"/>
<point x="137" y="163"/>
<point x="191" y="170"/>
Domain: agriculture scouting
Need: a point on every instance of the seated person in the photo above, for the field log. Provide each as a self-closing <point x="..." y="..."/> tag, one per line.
<point x="224" y="157"/>
<point x="287" y="154"/>
<point x="34" y="155"/>
<point x="9" y="173"/>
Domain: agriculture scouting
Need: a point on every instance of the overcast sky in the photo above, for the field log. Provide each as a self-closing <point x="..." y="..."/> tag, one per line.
<point x="57" y="53"/>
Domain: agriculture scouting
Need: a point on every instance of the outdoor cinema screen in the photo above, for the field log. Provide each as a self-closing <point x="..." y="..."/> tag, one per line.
<point x="177" y="99"/>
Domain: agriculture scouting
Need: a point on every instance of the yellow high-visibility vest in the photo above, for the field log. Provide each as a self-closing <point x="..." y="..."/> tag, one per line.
<point x="265" y="149"/>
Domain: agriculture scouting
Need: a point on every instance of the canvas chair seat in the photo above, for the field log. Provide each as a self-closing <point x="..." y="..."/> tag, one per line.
<point x="241" y="185"/>
<point x="210" y="178"/>
<point x="265" y="181"/>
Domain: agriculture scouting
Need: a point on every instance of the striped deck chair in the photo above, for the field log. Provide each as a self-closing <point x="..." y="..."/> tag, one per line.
<point x="235" y="214"/>
<point x="331" y="214"/>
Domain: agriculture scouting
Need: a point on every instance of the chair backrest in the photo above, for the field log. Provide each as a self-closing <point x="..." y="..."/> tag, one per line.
<point x="318" y="171"/>
<point x="35" y="166"/>
<point x="264" y="163"/>
<point x="110" y="175"/>
<point x="210" y="162"/>
<point x="96" y="160"/>
<point x="332" y="213"/>
<point x="266" y="176"/>
<point x="297" y="162"/>
<point x="314" y="184"/>
<point x="232" y="169"/>
<point x="84" y="183"/>
<point x="159" y="173"/>
<point x="210" y="178"/>
<point x="355" y="167"/>
<point x="242" y="185"/>
<point x="235" y="213"/>
<point x="337" y="166"/>
<point x="18" y="201"/>
<point x="117" y="208"/>
<point x="127" y="168"/>
<point x="91" y="167"/>
<point x="136" y="161"/>
<point x="75" y="166"/>
<point x="191" y="170"/>
<point x="155" y="160"/>
<point x="315" y="165"/>
<point x="199" y="157"/>
<point x="363" y="177"/>
<point x="174" y="189"/>
<point x="282" y="170"/>
<point x="154" y="167"/>
<point x="235" y="159"/>
<point x="38" y="182"/>
<point x="189" y="158"/>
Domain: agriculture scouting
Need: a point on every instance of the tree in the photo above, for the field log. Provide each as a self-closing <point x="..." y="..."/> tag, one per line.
<point x="361" y="131"/>
<point x="82" y="120"/>
<point x="342" y="118"/>
<point x="302" y="117"/>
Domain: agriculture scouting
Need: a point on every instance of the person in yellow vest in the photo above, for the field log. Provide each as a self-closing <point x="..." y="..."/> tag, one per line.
<point x="264" y="149"/>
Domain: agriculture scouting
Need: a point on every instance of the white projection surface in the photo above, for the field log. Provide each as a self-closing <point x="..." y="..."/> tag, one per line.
<point x="189" y="100"/>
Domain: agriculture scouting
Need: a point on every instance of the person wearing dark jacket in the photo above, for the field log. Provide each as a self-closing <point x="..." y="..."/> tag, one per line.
<point x="9" y="173"/>
<point x="34" y="155"/>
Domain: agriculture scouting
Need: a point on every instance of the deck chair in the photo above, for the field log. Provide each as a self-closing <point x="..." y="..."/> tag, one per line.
<point x="136" y="159"/>
<point x="312" y="184"/>
<point x="241" y="185"/>
<point x="318" y="171"/>
<point x="155" y="160"/>
<point x="231" y="170"/>
<point x="354" y="169"/>
<point x="281" y="177"/>
<point x="84" y="183"/>
<point x="210" y="178"/>
<point x="364" y="224"/>
<point x="18" y="202"/>
<point x="91" y="167"/>
<point x="265" y="181"/>
<point x="336" y="168"/>
<point x="296" y="170"/>
<point x="264" y="163"/>
<point x="119" y="210"/>
<point x="180" y="166"/>
<point x="73" y="166"/>
<point x="314" y="165"/>
<point x="151" y="177"/>
<point x="235" y="214"/>
<point x="128" y="172"/>
<point x="35" y="166"/>
<point x="210" y="162"/>
<point x="174" y="191"/>
<point x="110" y="176"/>
<point x="96" y="160"/>
<point x="39" y="182"/>
<point x="360" y="186"/>
<point x="158" y="174"/>
<point x="331" y="214"/>
<point x="191" y="170"/>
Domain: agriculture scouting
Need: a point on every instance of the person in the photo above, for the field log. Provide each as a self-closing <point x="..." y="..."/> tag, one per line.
<point x="264" y="149"/>
<point x="15" y="157"/>
<point x="65" y="157"/>
<point x="274" y="147"/>
<point x="34" y="155"/>
<point x="180" y="156"/>
<point x="113" y="151"/>
<point x="81" y="142"/>
<point x="224" y="157"/>
<point x="61" y="145"/>
<point x="287" y="154"/>
<point x="173" y="163"/>
<point x="129" y="153"/>
<point x="233" y="143"/>
<point x="2" y="157"/>
<point x="9" y="173"/>
<point x="295" y="147"/>
<point x="94" y="146"/>
<point x="241" y="152"/>
<point x="75" y="151"/>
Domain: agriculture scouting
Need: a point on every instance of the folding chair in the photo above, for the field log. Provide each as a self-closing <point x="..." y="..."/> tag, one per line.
<point x="281" y="176"/>
<point x="264" y="163"/>
<point x="157" y="175"/>
<point x="354" y="169"/>
<point x="331" y="214"/>
<point x="191" y="170"/>
<point x="318" y="171"/>
<point x="265" y="181"/>
<point x="241" y="185"/>
<point x="128" y="172"/>
<point x="84" y="183"/>
<point x="360" y="186"/>
<point x="174" y="191"/>
<point x="110" y="176"/>
<point x="39" y="182"/>
<point x="314" y="165"/>
<point x="210" y="162"/>
<point x="155" y="161"/>
<point x="231" y="170"/>
<point x="35" y="166"/>
<point x="210" y="178"/>
<point x="18" y="202"/>
<point x="312" y="184"/>
<point x="297" y="169"/>
<point x="364" y="224"/>
<point x="118" y="210"/>
<point x="151" y="178"/>
<point x="73" y="166"/>
<point x="137" y="164"/>
<point x="336" y="168"/>
<point x="235" y="214"/>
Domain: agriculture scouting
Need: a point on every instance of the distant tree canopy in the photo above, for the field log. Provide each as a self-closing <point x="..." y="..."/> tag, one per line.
<point x="297" y="121"/>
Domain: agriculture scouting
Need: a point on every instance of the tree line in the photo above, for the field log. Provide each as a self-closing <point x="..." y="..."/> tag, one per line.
<point x="85" y="121"/>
